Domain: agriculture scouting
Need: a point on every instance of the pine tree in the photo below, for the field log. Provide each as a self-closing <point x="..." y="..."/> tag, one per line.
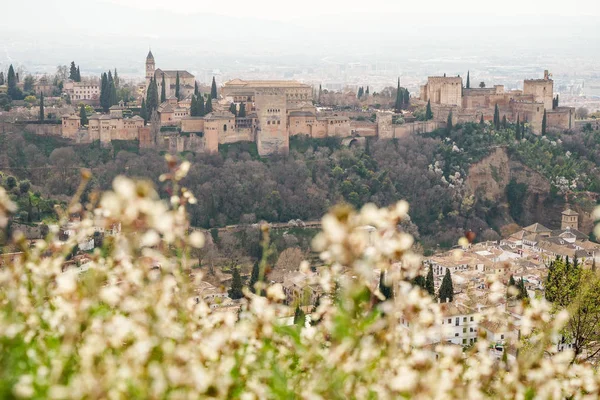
<point x="386" y="291"/>
<point x="468" y="79"/>
<point x="83" y="115"/>
<point x="544" y="124"/>
<point x="196" y="90"/>
<point x="233" y="109"/>
<point x="78" y="77"/>
<point x="428" y="112"/>
<point x="236" y="285"/>
<point x="242" y="113"/>
<point x="430" y="282"/>
<point x="41" y="106"/>
<point x="163" y="90"/>
<point x="73" y="72"/>
<point x="496" y="117"/>
<point x="208" y="107"/>
<point x="177" y="86"/>
<point x="213" y="90"/>
<point x="144" y="111"/>
<point x="446" y="292"/>
<point x="449" y="123"/>
<point x="1" y="78"/>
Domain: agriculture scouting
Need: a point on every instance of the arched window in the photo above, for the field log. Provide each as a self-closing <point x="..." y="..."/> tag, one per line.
<point x="225" y="127"/>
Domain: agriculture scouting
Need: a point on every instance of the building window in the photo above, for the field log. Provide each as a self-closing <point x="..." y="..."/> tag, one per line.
<point x="464" y="319"/>
<point x="502" y="337"/>
<point x="464" y="330"/>
<point x="464" y="341"/>
<point x="457" y="321"/>
<point x="456" y="335"/>
<point x="471" y="319"/>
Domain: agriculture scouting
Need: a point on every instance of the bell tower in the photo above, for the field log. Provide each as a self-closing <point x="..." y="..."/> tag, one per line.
<point x="570" y="220"/>
<point x="150" y="67"/>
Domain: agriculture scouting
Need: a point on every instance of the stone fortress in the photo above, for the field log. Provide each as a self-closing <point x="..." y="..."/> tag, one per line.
<point x="447" y="94"/>
<point x="277" y="110"/>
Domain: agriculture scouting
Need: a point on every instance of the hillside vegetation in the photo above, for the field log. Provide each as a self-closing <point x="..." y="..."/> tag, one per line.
<point x="439" y="173"/>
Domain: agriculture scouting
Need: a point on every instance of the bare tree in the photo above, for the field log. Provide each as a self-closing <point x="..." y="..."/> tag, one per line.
<point x="581" y="113"/>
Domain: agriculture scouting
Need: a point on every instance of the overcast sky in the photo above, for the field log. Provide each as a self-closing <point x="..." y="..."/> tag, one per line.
<point x="286" y="10"/>
<point x="213" y="34"/>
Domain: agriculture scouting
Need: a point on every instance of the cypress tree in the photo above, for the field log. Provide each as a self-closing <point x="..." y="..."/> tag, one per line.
<point x="104" y="92"/>
<point x="511" y="283"/>
<point x="73" y="72"/>
<point x="399" y="98"/>
<point x="177" y="86"/>
<point x="419" y="281"/>
<point x="208" y="107"/>
<point x="522" y="290"/>
<point x="201" y="108"/>
<point x="320" y="93"/>
<point x="557" y="101"/>
<point x="152" y="97"/>
<point x="496" y="117"/>
<point x="544" y="124"/>
<point x="299" y="316"/>
<point x="112" y="94"/>
<point x="116" y="77"/>
<point x="360" y="92"/>
<point x="446" y="288"/>
<point x="83" y="115"/>
<point x="518" y="129"/>
<point x="144" y="111"/>
<point x="407" y="99"/>
<point x="163" y="90"/>
<point x="78" y="77"/>
<point x="449" y="123"/>
<point x="233" y="109"/>
<point x="429" y="282"/>
<point x="41" y="106"/>
<point x="1" y="78"/>
<point x="236" y="285"/>
<point x="386" y="291"/>
<point x="254" y="276"/>
<point x="428" y="112"/>
<point x="242" y="113"/>
<point x="11" y="82"/>
<point x="367" y="91"/>
<point x="504" y="122"/>
<point x="481" y="121"/>
<point x="196" y="91"/>
<point x="194" y="107"/>
<point x="468" y="79"/>
<point x="213" y="90"/>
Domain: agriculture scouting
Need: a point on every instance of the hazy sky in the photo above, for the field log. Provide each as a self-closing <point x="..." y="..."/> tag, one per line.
<point x="286" y="10"/>
<point x="214" y="35"/>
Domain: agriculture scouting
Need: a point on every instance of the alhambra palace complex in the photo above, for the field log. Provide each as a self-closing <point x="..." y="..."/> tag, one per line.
<point x="276" y="110"/>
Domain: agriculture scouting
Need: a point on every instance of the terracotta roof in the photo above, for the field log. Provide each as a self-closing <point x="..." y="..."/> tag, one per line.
<point x="173" y="73"/>
<point x="219" y="115"/>
<point x="570" y="212"/>
<point x="165" y="107"/>
<point x="537" y="228"/>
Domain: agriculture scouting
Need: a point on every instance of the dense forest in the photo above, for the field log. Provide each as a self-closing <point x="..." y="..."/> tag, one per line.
<point x="236" y="186"/>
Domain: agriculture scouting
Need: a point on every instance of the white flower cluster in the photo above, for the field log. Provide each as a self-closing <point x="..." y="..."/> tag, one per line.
<point x="131" y="325"/>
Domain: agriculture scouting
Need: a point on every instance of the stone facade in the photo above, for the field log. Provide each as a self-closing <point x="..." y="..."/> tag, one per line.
<point x="442" y="90"/>
<point x="86" y="91"/>
<point x="469" y="105"/>
<point x="271" y="109"/>
<point x="186" y="80"/>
